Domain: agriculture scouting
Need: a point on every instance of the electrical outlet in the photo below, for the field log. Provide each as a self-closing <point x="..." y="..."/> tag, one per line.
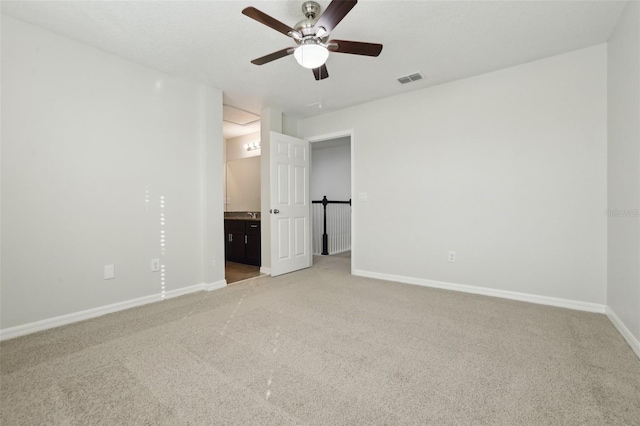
<point x="155" y="265"/>
<point x="109" y="272"/>
<point x="452" y="256"/>
<point x="362" y="196"/>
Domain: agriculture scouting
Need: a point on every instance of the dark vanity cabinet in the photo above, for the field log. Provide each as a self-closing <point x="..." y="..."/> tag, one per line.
<point x="242" y="241"/>
<point x="252" y="249"/>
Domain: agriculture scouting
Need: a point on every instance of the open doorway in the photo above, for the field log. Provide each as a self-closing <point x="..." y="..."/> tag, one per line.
<point x="242" y="150"/>
<point x="331" y="195"/>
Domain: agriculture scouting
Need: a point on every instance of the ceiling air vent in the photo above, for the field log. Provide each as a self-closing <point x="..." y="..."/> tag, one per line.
<point x="238" y="116"/>
<point x="409" y="78"/>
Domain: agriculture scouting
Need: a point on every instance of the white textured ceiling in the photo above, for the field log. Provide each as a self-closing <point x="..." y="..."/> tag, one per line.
<point x="212" y="42"/>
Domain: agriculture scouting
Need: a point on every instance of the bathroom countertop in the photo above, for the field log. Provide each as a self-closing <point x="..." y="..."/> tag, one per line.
<point x="240" y="216"/>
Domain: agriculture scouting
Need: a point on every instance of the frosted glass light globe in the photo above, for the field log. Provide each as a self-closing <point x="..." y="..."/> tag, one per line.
<point x="311" y="55"/>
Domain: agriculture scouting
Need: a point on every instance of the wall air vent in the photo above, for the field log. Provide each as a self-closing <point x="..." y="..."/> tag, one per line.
<point x="315" y="105"/>
<point x="409" y="78"/>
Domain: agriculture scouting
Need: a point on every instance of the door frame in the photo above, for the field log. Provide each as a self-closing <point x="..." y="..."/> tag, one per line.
<point x="335" y="135"/>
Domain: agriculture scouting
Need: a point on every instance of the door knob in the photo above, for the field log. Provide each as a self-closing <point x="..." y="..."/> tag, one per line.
<point x="276" y="211"/>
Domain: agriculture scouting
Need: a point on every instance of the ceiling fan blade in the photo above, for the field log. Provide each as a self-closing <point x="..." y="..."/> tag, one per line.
<point x="273" y="56"/>
<point x="267" y="20"/>
<point x="334" y="13"/>
<point x="321" y="73"/>
<point x="354" y="47"/>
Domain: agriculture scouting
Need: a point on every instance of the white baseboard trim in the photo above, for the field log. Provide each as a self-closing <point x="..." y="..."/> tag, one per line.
<point x="215" y="286"/>
<point x="33" y="327"/>
<point x="622" y="329"/>
<point x="266" y="271"/>
<point x="504" y="294"/>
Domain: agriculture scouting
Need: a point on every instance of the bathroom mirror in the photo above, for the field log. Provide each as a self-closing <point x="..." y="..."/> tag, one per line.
<point x="243" y="185"/>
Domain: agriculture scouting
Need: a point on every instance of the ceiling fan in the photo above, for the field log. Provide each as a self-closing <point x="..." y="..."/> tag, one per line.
<point x="312" y="36"/>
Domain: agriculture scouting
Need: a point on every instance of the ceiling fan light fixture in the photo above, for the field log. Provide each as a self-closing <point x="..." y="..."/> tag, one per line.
<point x="311" y="55"/>
<point x="312" y="36"/>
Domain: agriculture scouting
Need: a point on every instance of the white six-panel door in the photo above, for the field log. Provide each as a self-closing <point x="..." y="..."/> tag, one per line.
<point x="290" y="211"/>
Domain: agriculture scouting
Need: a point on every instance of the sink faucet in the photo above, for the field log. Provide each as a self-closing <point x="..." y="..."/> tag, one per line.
<point x="253" y="215"/>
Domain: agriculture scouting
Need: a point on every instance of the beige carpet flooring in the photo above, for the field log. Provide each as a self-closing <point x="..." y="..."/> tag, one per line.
<point x="322" y="347"/>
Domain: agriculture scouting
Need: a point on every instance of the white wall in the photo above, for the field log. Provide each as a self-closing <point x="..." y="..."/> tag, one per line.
<point x="212" y="188"/>
<point x="271" y="121"/>
<point x="623" y="290"/>
<point x="331" y="172"/>
<point x="236" y="149"/>
<point x="96" y="151"/>
<point x="508" y="169"/>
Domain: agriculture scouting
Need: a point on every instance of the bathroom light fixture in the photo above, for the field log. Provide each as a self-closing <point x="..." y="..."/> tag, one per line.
<point x="252" y="146"/>
<point x="311" y="54"/>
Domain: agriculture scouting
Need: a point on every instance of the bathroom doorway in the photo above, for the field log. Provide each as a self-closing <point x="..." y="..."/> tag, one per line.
<point x="242" y="222"/>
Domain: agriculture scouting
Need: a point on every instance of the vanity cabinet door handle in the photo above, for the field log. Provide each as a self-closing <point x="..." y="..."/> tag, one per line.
<point x="230" y="238"/>
<point x="245" y="239"/>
